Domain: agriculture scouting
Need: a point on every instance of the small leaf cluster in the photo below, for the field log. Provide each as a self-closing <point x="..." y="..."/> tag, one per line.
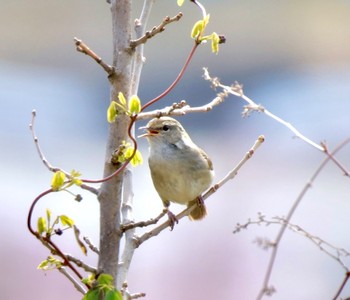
<point x="102" y="288"/>
<point x="131" y="107"/>
<point x="198" y="29"/>
<point x="50" y="263"/>
<point x="45" y="226"/>
<point x="59" y="182"/>
<point x="125" y="152"/>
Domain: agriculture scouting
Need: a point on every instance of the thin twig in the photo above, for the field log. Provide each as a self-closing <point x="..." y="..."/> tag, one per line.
<point x="177" y="79"/>
<point x="211" y="191"/>
<point x="83" y="48"/>
<point x="265" y="286"/>
<point x="336" y="161"/>
<point x="131" y="225"/>
<point x="92" y="247"/>
<point x="341" y="287"/>
<point x="332" y="251"/>
<point x="47" y="164"/>
<point x="237" y="90"/>
<point x="155" y="30"/>
<point x="81" y="264"/>
<point x="76" y="283"/>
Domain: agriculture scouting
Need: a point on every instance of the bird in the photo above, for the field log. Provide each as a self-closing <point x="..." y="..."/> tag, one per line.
<point x="180" y="170"/>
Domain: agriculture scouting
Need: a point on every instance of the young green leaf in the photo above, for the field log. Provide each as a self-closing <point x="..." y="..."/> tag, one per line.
<point x="113" y="295"/>
<point x="180" y="2"/>
<point x="43" y="265"/>
<point x="42" y="225"/>
<point x="93" y="294"/>
<point x="66" y="221"/>
<point x="105" y="279"/>
<point x="215" y="41"/>
<point x="122" y="99"/>
<point x="112" y="112"/>
<point x="197" y="29"/>
<point x="134" y="105"/>
<point x="137" y="158"/>
<point x="48" y="215"/>
<point x="58" y="180"/>
<point x="75" y="180"/>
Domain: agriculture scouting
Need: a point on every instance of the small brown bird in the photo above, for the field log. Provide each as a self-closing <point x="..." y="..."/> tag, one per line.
<point x="180" y="170"/>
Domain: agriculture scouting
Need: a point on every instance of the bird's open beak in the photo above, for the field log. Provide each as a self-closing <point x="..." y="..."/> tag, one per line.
<point x="149" y="132"/>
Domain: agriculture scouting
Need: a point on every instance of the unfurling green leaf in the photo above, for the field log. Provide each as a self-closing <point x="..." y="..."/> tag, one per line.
<point x="58" y="180"/>
<point x="42" y="225"/>
<point x="112" y="112"/>
<point x="50" y="263"/>
<point x="75" y="180"/>
<point x="215" y="41"/>
<point x="103" y="288"/>
<point x="113" y="295"/>
<point x="105" y="279"/>
<point x="48" y="215"/>
<point x="134" y="105"/>
<point x="136" y="159"/>
<point x="197" y="29"/>
<point x="66" y="221"/>
<point x="122" y="99"/>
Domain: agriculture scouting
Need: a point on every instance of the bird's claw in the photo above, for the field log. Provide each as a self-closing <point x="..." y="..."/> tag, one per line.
<point x="172" y="219"/>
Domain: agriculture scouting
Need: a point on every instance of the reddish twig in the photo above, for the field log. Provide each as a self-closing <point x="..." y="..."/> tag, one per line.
<point x="345" y="280"/>
<point x="167" y="91"/>
<point x="47" y="240"/>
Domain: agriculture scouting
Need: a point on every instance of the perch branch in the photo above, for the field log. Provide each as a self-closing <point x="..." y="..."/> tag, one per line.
<point x="237" y="90"/>
<point x="155" y="30"/>
<point x="83" y="48"/>
<point x="211" y="191"/>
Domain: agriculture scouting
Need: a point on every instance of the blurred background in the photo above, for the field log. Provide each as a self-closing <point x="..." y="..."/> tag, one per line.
<point x="293" y="57"/>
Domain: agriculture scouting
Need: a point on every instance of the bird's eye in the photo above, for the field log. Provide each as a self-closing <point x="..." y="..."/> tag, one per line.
<point x="165" y="128"/>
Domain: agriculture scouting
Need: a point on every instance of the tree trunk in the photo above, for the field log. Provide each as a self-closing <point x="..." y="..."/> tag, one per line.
<point x="110" y="196"/>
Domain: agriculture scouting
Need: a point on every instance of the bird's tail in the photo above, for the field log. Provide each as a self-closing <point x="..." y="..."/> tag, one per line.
<point x="200" y="210"/>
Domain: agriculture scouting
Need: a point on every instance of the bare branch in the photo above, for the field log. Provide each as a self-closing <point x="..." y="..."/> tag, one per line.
<point x="211" y="191"/>
<point x="155" y="30"/>
<point x="152" y="221"/>
<point x="75" y="282"/>
<point x="182" y="108"/>
<point x="83" y="48"/>
<point x="334" y="252"/>
<point x="336" y="161"/>
<point x="92" y="247"/>
<point x="81" y="264"/>
<point x="47" y="163"/>
<point x="265" y="285"/>
<point x="237" y="90"/>
<point x="38" y="148"/>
